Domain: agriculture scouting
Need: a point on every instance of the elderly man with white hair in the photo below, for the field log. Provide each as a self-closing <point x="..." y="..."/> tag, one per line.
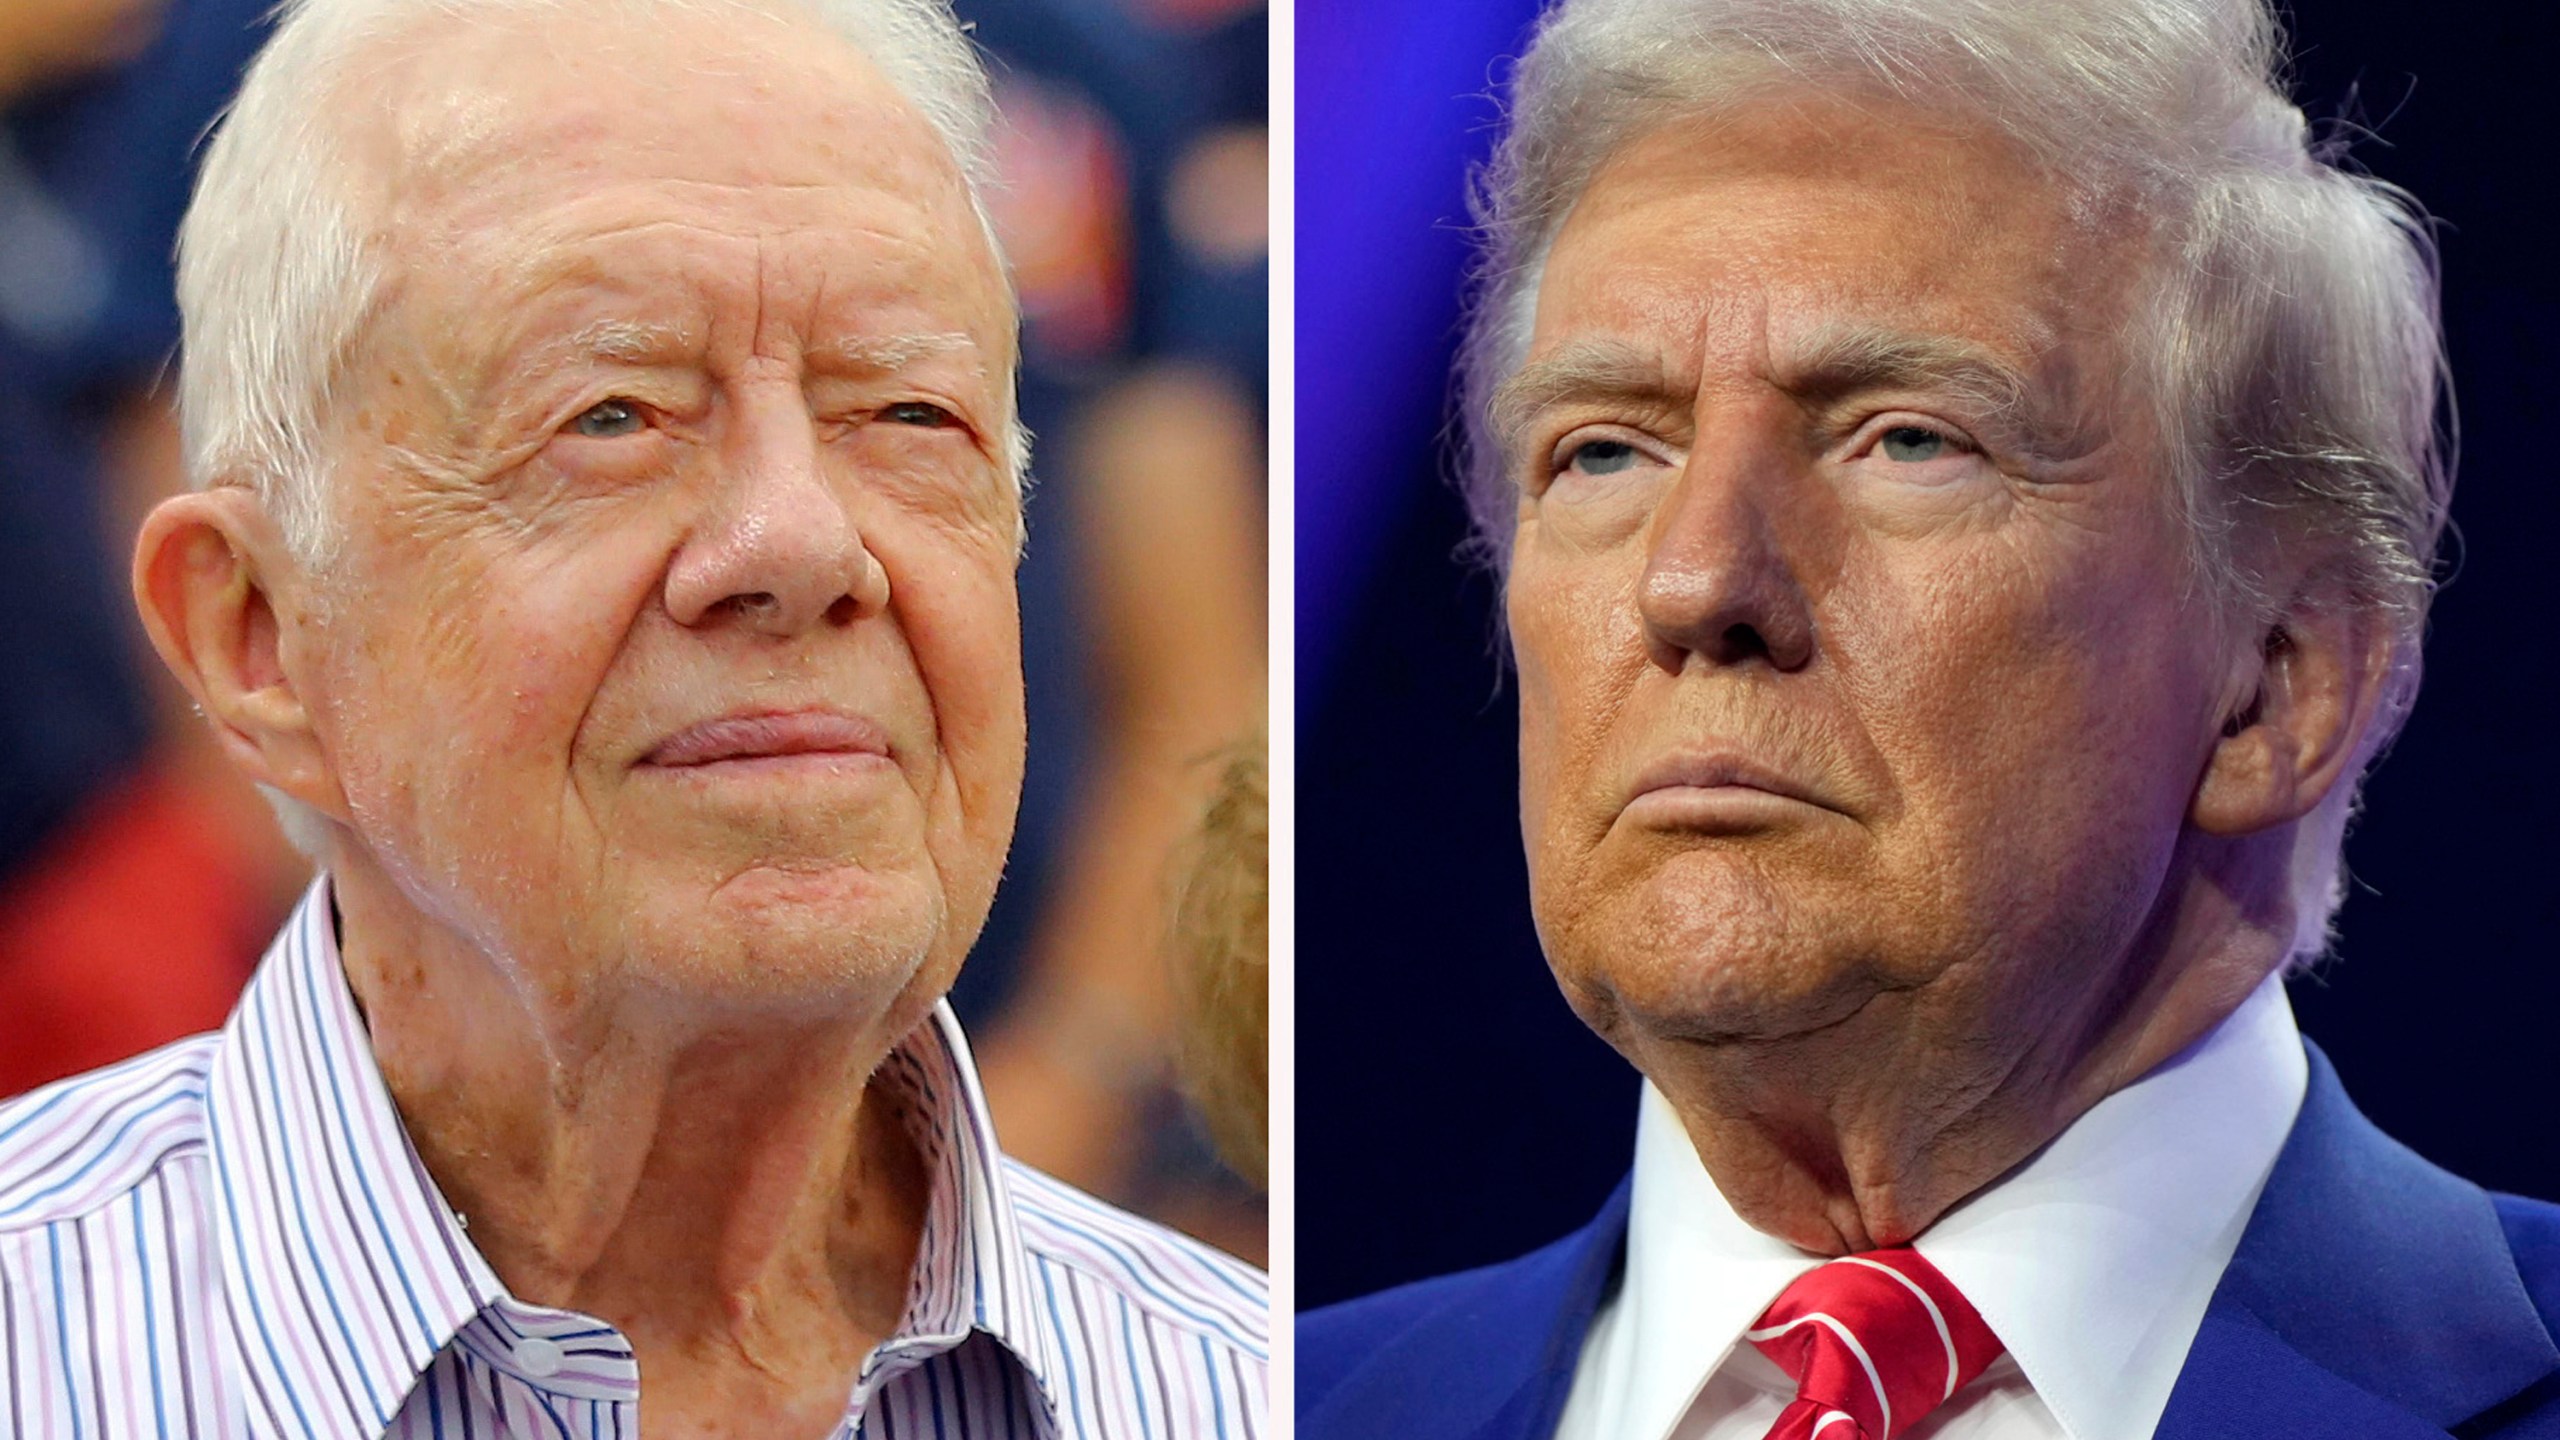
<point x="609" y="494"/>
<point x="1966" y="476"/>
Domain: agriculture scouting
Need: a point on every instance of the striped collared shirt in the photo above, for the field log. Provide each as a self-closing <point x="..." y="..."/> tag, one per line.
<point x="233" y="1236"/>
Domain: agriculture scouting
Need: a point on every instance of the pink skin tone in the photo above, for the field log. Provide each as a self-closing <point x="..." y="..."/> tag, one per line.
<point x="1874" y="776"/>
<point x="664" y="689"/>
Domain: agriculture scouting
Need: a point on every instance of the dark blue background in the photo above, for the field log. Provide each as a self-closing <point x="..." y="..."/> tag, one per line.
<point x="1451" y="1111"/>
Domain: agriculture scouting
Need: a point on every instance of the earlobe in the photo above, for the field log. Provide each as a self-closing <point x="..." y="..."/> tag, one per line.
<point x="204" y="571"/>
<point x="2302" y="725"/>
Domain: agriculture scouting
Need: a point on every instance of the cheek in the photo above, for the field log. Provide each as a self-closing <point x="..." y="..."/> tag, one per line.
<point x="1537" y="647"/>
<point x="549" y="639"/>
<point x="2024" y="698"/>
<point x="963" y="624"/>
<point x="1579" y="654"/>
<point x="483" y="670"/>
<point x="968" y="650"/>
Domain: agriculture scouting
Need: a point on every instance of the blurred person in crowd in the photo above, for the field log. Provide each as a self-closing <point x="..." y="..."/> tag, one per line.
<point x="1131" y="142"/>
<point x="47" y="40"/>
<point x="1222" y="962"/>
<point x="137" y="876"/>
<point x="611" y="497"/>
<point x="1966" y="481"/>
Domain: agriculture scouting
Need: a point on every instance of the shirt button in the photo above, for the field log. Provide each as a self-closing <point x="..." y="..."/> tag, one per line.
<point x="538" y="1357"/>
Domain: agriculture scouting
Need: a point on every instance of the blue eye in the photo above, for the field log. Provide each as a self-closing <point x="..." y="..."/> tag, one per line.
<point x="608" y="420"/>
<point x="1911" y="443"/>
<point x="1601" y="457"/>
<point x="918" y="412"/>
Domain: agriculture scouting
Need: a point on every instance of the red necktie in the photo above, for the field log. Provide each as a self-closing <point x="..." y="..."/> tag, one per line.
<point x="1873" y="1342"/>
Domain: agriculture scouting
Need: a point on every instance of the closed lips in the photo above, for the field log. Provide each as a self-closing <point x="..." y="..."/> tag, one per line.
<point x="1715" y="771"/>
<point x="769" y="735"/>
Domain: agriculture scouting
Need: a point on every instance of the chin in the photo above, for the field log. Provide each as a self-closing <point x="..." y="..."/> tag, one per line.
<point x="800" y="938"/>
<point x="1721" y="955"/>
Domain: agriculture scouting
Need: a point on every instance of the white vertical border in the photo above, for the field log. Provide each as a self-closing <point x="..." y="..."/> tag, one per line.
<point x="1283" y="651"/>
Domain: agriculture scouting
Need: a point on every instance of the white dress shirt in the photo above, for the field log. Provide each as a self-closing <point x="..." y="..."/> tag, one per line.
<point x="233" y="1236"/>
<point x="2093" y="1262"/>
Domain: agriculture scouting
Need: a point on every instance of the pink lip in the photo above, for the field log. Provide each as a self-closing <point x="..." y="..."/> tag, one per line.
<point x="765" y="735"/>
<point x="1720" y="770"/>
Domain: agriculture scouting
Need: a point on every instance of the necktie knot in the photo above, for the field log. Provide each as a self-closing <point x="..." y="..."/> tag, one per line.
<point x="1874" y="1342"/>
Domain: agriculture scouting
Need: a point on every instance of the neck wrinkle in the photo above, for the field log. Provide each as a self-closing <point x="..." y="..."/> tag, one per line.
<point x="726" y="1194"/>
<point x="1818" y="1144"/>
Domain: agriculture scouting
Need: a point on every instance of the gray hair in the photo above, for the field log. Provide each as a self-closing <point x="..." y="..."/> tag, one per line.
<point x="2288" y="334"/>
<point x="277" y="274"/>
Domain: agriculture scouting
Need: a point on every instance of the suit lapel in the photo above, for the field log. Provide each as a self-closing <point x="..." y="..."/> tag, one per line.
<point x="1501" y="1360"/>
<point x="2372" y="1295"/>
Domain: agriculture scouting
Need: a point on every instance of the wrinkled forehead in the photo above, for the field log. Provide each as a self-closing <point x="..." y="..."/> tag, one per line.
<point x="470" y="123"/>
<point x="1798" y="214"/>
<point x="1813" y="236"/>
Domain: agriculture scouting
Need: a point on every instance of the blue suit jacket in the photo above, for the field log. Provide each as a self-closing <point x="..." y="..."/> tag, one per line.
<point x="2373" y="1297"/>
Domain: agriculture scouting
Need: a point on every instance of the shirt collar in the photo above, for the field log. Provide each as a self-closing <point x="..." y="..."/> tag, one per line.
<point x="2093" y="1261"/>
<point x="346" y="1271"/>
<point x="972" y="1272"/>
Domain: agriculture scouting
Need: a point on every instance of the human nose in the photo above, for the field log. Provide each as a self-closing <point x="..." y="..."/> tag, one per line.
<point x="778" y="550"/>
<point x="1719" y="581"/>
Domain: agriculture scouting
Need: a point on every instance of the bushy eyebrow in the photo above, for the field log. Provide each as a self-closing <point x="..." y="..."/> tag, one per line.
<point x="1850" y="359"/>
<point x="629" y="342"/>
<point x="633" y="342"/>
<point x="1829" y="365"/>
<point x="1590" y="369"/>
<point x="885" y="353"/>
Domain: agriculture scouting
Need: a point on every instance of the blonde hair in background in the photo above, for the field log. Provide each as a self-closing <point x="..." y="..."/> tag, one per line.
<point x="1222" y="961"/>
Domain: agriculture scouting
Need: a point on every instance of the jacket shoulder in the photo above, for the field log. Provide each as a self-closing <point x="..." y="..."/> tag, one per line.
<point x="1488" y="1351"/>
<point x="1334" y="1341"/>
<point x="2379" y="1293"/>
<point x="2533" y="1237"/>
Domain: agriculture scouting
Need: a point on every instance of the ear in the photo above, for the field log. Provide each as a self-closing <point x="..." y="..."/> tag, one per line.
<point x="206" y="568"/>
<point x="2319" y="669"/>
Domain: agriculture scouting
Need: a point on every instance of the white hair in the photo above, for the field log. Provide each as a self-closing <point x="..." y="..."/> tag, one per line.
<point x="2288" y="338"/>
<point x="277" y="273"/>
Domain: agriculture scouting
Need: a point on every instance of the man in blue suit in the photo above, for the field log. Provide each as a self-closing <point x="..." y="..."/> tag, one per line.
<point x="1967" y="483"/>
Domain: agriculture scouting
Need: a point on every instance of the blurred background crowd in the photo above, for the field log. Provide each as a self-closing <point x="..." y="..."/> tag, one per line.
<point x="139" y="879"/>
